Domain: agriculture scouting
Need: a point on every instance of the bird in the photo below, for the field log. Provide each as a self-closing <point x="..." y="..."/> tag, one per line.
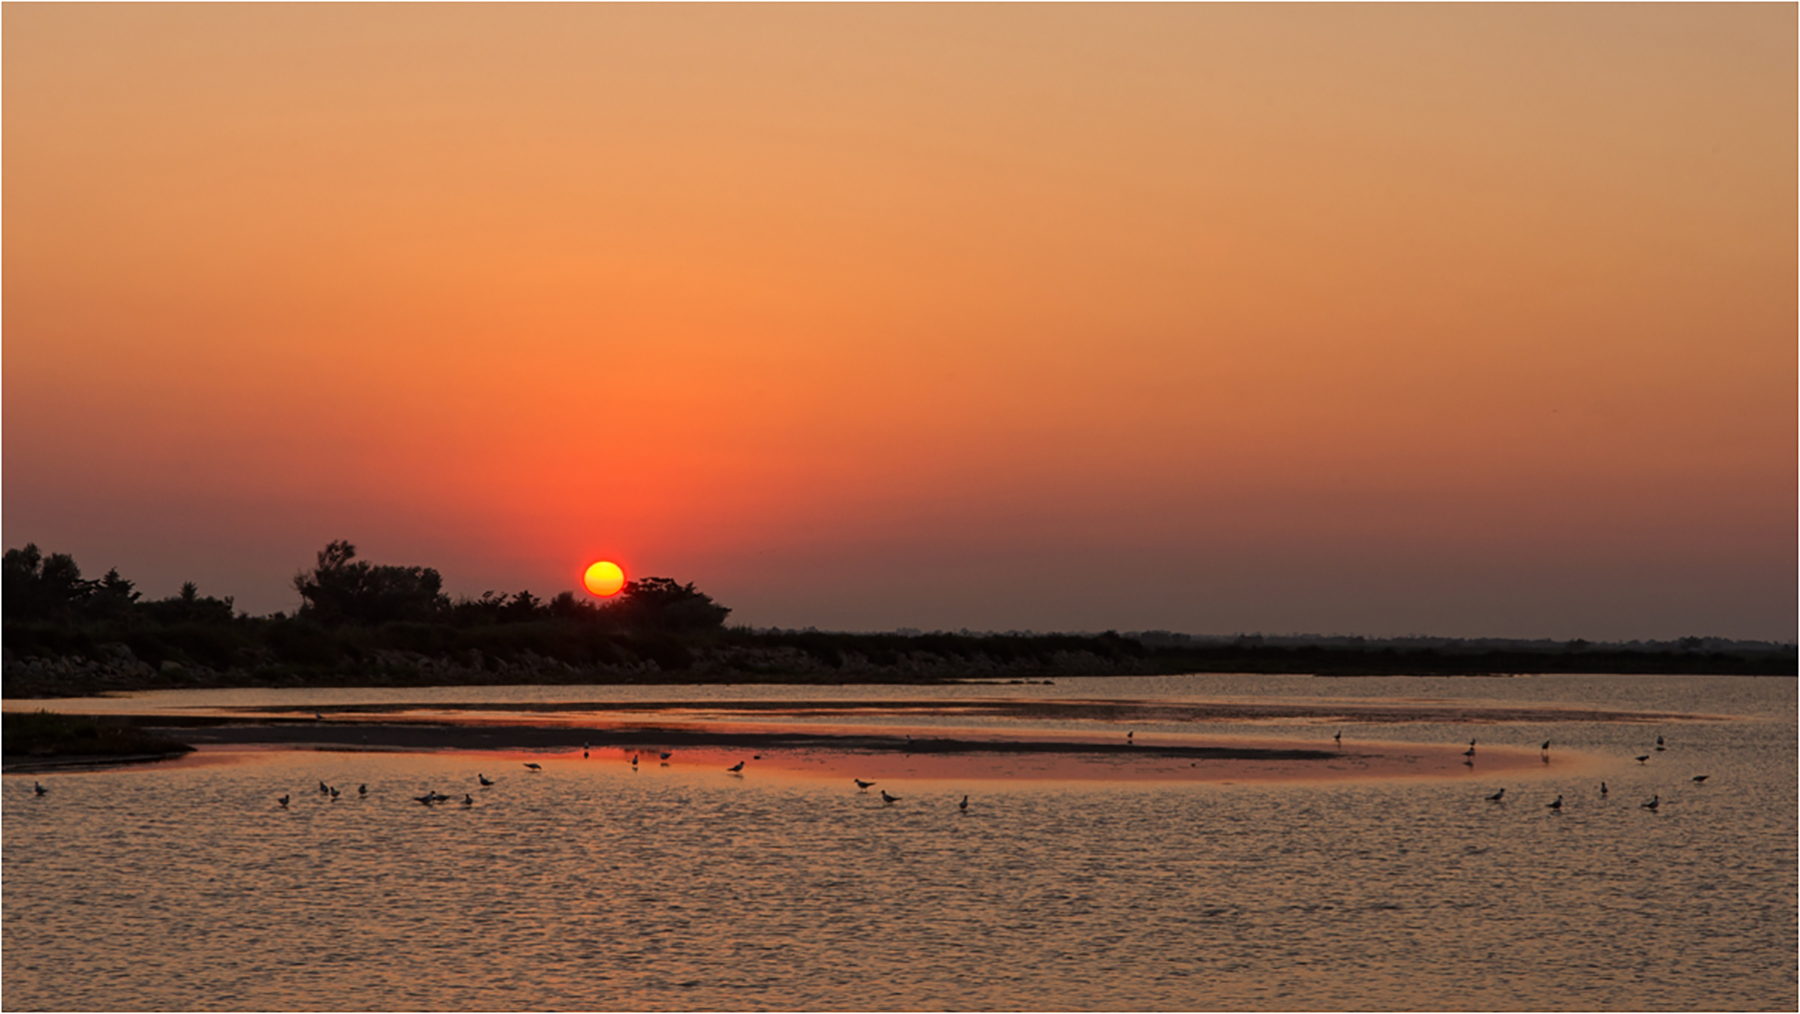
<point x="890" y="800"/>
<point x="468" y="800"/>
<point x="634" y="758"/>
<point x="334" y="792"/>
<point x="323" y="788"/>
<point x="534" y="765"/>
<point x="1128" y="736"/>
<point x="1701" y="778"/>
<point x="964" y="805"/>
<point x="1644" y="758"/>
<point x="1338" y="737"/>
<point x="1545" y="747"/>
<point x="1654" y="802"/>
<point x="756" y="756"/>
<point x="363" y="789"/>
<point x="1495" y="798"/>
<point x="428" y="798"/>
<point x="438" y="797"/>
<point x="283" y="800"/>
<point x="1556" y="805"/>
<point x="862" y="786"/>
<point x="666" y="754"/>
<point x="483" y="779"/>
<point x="735" y="768"/>
<point x="38" y="787"/>
<point x="584" y="748"/>
<point x="1659" y="742"/>
<point x="1470" y="752"/>
<point x="319" y="715"/>
<point x="1603" y="789"/>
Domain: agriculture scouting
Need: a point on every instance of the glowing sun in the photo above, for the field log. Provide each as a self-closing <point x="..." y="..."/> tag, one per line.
<point x="604" y="578"/>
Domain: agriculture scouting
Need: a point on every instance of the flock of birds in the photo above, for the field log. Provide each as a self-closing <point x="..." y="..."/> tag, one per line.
<point x="432" y="797"/>
<point x="1555" y="806"/>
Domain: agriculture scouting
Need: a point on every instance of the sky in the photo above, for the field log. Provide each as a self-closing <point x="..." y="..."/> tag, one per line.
<point x="1453" y="320"/>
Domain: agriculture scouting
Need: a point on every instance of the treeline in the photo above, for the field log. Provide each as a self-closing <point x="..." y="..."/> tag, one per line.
<point x="361" y="623"/>
<point x="354" y="616"/>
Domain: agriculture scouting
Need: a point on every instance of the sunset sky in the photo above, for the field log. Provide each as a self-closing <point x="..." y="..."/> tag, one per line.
<point x="1456" y="320"/>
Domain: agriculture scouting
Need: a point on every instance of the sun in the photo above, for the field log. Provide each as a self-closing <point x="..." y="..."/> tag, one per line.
<point x="604" y="579"/>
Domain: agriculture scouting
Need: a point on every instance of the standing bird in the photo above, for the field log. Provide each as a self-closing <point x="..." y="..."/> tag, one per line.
<point x="1654" y="802"/>
<point x="1470" y="752"/>
<point x="534" y="765"/>
<point x="1701" y="778"/>
<point x="1556" y="805"/>
<point x="483" y="779"/>
<point x="862" y="786"/>
<point x="1602" y="790"/>
<point x="1545" y="747"/>
<point x="334" y="793"/>
<point x="38" y="788"/>
<point x="666" y="754"/>
<point x="1338" y="737"/>
<point x="468" y="800"/>
<point x="890" y="800"/>
<point x="584" y="749"/>
<point x="323" y="788"/>
<point x="1644" y="758"/>
<point x="1495" y="798"/>
<point x="283" y="801"/>
<point x="1659" y="742"/>
<point x="964" y="805"/>
<point x="363" y="789"/>
<point x="735" y="768"/>
<point x="634" y="758"/>
<point x="1128" y="737"/>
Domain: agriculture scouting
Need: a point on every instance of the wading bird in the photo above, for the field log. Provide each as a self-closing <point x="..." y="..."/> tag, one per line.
<point x="38" y="788"/>
<point x="890" y="800"/>
<point x="1659" y="742"/>
<point x="534" y="765"/>
<point x="1644" y="758"/>
<point x="483" y="779"/>
<point x="334" y="793"/>
<point x="1556" y="805"/>
<point x="1655" y="801"/>
<point x="1701" y="778"/>
<point x="964" y="805"/>
<point x="1495" y="798"/>
<point x="1602" y="790"/>
<point x="323" y="788"/>
<point x="283" y="800"/>
<point x="634" y="758"/>
<point x="468" y="800"/>
<point x="735" y="768"/>
<point x="1338" y="737"/>
<point x="363" y="789"/>
<point x="666" y="754"/>
<point x="862" y="786"/>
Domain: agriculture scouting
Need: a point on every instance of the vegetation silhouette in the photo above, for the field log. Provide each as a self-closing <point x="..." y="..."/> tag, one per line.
<point x="362" y="623"/>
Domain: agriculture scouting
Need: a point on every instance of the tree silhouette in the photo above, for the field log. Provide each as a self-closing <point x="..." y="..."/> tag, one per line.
<point x="343" y="589"/>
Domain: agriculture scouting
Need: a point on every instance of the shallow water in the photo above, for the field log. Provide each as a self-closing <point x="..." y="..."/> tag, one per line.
<point x="593" y="885"/>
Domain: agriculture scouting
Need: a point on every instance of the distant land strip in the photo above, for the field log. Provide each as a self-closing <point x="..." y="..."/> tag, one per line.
<point x="60" y="665"/>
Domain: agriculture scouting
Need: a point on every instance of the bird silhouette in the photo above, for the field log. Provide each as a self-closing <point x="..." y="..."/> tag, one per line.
<point x="38" y="788"/>
<point x="1644" y="758"/>
<point x="1338" y="737"/>
<point x="1659" y="741"/>
<point x="323" y="788"/>
<point x="735" y="768"/>
<point x="334" y="792"/>
<point x="428" y="798"/>
<point x="483" y="779"/>
<point x="890" y="800"/>
<point x="283" y="800"/>
<point x="1128" y="736"/>
<point x="534" y="765"/>
<point x="1470" y="752"/>
<point x="1545" y="747"/>
<point x="1654" y="802"/>
<point x="634" y="758"/>
<point x="964" y="805"/>
<point x="1556" y="805"/>
<point x="468" y="800"/>
<point x="862" y="786"/>
<point x="584" y="749"/>
<point x="319" y="715"/>
<point x="1602" y="789"/>
<point x="666" y="754"/>
<point x="363" y="789"/>
<point x="1495" y="798"/>
<point x="1701" y="778"/>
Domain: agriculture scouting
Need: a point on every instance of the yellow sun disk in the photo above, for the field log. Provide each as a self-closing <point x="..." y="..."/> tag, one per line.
<point x="604" y="578"/>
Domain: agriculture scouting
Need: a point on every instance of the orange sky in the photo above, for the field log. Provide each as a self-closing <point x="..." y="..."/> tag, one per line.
<point x="1420" y="319"/>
